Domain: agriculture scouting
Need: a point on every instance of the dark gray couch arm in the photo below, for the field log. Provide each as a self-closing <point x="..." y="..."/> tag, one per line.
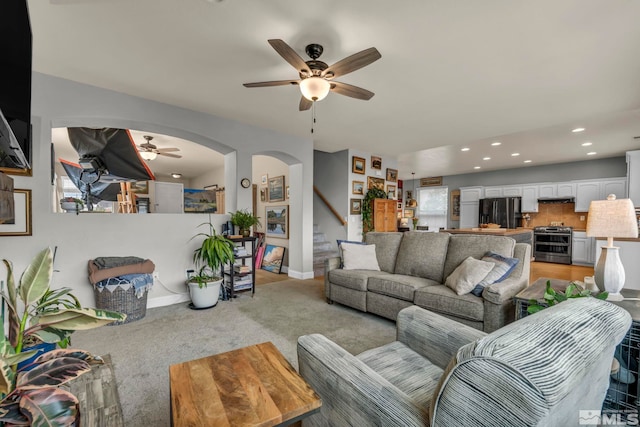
<point x="433" y="336"/>
<point x="329" y="264"/>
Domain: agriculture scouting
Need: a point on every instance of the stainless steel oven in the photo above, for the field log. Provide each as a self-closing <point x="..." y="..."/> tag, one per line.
<point x="552" y="244"/>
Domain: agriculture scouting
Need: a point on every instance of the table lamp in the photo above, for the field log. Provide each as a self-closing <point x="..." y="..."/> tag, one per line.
<point x="611" y="218"/>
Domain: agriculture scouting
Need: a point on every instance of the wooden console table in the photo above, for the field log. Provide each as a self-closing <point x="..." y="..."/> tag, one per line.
<point x="251" y="386"/>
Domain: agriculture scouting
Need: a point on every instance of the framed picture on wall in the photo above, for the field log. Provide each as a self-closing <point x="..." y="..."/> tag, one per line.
<point x="263" y="179"/>
<point x="376" y="162"/>
<point x="263" y="194"/>
<point x="455" y="205"/>
<point x="276" y="189"/>
<point x="357" y="187"/>
<point x="357" y="165"/>
<point x="21" y="224"/>
<point x="373" y="182"/>
<point x="391" y="191"/>
<point x="287" y="192"/>
<point x="277" y="221"/>
<point x="392" y="175"/>
<point x="355" y="206"/>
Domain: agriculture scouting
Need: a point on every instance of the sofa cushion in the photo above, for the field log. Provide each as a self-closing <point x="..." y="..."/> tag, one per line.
<point x="352" y="279"/>
<point x="398" y="285"/>
<point x="462" y="246"/>
<point x="503" y="266"/>
<point x="422" y="254"/>
<point x="468" y="274"/>
<point x="387" y="245"/>
<point x="412" y="373"/>
<point x="441" y="299"/>
<point x="359" y="257"/>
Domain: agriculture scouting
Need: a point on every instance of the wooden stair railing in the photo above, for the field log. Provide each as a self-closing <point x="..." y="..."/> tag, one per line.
<point x="331" y="208"/>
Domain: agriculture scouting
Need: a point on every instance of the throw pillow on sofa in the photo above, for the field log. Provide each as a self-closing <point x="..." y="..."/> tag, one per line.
<point x="469" y="273"/>
<point x="503" y="266"/>
<point x="359" y="257"/>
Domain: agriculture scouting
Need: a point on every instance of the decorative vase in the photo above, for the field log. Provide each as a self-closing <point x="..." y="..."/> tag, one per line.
<point x="245" y="232"/>
<point x="69" y="207"/>
<point x="206" y="296"/>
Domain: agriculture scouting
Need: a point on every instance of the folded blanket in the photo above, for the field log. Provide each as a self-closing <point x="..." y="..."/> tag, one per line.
<point x="140" y="282"/>
<point x="116" y="261"/>
<point x="96" y="274"/>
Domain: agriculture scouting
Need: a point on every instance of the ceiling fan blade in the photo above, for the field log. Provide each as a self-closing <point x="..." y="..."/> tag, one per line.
<point x="352" y="91"/>
<point x="271" y="83"/>
<point x="305" y="104"/>
<point x="166" y="150"/>
<point x="290" y="55"/>
<point x="177" y="156"/>
<point x="352" y="63"/>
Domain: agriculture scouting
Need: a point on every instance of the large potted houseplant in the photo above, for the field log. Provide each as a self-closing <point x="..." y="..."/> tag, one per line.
<point x="38" y="314"/>
<point x="214" y="252"/>
<point x="244" y="220"/>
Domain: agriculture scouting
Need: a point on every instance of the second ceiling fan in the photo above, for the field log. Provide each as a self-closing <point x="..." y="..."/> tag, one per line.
<point x="316" y="77"/>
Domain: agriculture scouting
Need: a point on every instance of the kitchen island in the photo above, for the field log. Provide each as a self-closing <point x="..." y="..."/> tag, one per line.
<point x="520" y="235"/>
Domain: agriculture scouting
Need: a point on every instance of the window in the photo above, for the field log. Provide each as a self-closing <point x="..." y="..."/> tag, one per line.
<point x="69" y="189"/>
<point x="433" y="207"/>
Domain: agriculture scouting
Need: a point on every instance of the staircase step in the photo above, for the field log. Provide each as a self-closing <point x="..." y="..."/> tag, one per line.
<point x="322" y="246"/>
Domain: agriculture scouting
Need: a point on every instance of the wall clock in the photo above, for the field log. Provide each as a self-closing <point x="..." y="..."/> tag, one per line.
<point x="245" y="182"/>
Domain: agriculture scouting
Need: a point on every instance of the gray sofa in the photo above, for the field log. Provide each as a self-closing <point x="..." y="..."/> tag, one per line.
<point x="413" y="267"/>
<point x="539" y="371"/>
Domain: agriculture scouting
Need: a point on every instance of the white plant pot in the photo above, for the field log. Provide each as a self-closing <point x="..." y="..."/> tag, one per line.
<point x="69" y="207"/>
<point x="205" y="297"/>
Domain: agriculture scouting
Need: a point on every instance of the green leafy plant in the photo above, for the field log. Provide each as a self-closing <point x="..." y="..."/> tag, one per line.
<point x="244" y="219"/>
<point x="32" y="395"/>
<point x="552" y="297"/>
<point x="367" y="207"/>
<point x="214" y="251"/>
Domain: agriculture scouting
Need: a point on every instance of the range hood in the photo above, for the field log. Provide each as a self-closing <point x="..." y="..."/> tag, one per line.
<point x="556" y="200"/>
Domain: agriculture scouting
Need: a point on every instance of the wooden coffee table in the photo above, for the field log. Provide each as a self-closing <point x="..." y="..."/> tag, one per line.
<point x="251" y="386"/>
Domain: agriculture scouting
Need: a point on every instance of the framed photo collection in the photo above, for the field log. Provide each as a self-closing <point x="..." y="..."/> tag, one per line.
<point x="355" y="206"/>
<point x="376" y="162"/>
<point x="358" y="165"/>
<point x="277" y="221"/>
<point x="357" y="187"/>
<point x="21" y="225"/>
<point x="373" y="182"/>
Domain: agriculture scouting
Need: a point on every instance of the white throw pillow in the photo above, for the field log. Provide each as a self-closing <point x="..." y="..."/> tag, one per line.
<point x="467" y="275"/>
<point x="359" y="257"/>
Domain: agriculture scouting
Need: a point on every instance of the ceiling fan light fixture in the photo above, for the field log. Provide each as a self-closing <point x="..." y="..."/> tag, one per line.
<point x="148" y="155"/>
<point x="315" y="88"/>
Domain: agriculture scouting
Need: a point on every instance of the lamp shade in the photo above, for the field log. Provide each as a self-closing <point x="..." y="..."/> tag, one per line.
<point x="612" y="218"/>
<point x="148" y="155"/>
<point x="314" y="88"/>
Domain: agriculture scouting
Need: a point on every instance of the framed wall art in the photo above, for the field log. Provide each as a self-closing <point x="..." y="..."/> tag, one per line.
<point x="455" y="205"/>
<point x="357" y="187"/>
<point x="263" y="179"/>
<point x="272" y="258"/>
<point x="392" y="175"/>
<point x="263" y="194"/>
<point x="373" y="182"/>
<point x="376" y="162"/>
<point x="199" y="201"/>
<point x="357" y="165"/>
<point x="21" y="225"/>
<point x="287" y="192"/>
<point x="277" y="221"/>
<point x="355" y="206"/>
<point x="276" y="189"/>
<point x="391" y="191"/>
<point x="431" y="181"/>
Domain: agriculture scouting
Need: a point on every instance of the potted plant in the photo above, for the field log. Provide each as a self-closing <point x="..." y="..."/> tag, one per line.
<point x="71" y="204"/>
<point x="552" y="297"/>
<point x="214" y="252"/>
<point x="47" y="316"/>
<point x="244" y="220"/>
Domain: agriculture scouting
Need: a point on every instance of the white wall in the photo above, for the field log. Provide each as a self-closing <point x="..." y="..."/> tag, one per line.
<point x="163" y="238"/>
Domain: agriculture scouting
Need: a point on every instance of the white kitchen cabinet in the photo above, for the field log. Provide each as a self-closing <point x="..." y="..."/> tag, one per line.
<point x="529" y="199"/>
<point x="469" y="214"/>
<point x="547" y="190"/>
<point x="490" y="192"/>
<point x="471" y="194"/>
<point x="582" y="248"/>
<point x="166" y="197"/>
<point x="566" y="189"/>
<point x="586" y="191"/>
<point x="633" y="176"/>
<point x="617" y="187"/>
<point x="512" y="191"/>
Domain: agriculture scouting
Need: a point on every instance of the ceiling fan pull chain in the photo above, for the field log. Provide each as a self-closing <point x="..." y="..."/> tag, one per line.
<point x="313" y="115"/>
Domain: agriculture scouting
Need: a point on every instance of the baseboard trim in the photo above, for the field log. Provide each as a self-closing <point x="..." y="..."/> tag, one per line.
<point x="300" y="275"/>
<point x="168" y="300"/>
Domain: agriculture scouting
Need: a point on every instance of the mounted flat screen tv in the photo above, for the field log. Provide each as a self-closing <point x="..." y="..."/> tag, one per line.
<point x="15" y="87"/>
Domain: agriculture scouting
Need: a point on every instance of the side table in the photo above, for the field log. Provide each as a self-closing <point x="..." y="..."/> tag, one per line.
<point x="621" y="396"/>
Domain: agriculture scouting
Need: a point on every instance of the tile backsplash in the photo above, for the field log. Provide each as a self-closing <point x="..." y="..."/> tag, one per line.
<point x="558" y="213"/>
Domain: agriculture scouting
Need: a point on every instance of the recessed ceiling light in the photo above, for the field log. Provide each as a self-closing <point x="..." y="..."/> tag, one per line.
<point x="527" y="161"/>
<point x="476" y="167"/>
<point x="515" y="154"/>
<point x="496" y="143"/>
<point x="176" y="175"/>
<point x="486" y="158"/>
<point x="576" y="130"/>
<point x="586" y="144"/>
<point x="465" y="149"/>
<point x="591" y="153"/>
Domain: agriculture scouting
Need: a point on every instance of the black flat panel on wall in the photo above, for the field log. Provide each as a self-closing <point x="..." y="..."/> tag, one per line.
<point x="15" y="69"/>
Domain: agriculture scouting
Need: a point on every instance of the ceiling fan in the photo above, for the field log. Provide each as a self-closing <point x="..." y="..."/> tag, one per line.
<point x="149" y="151"/>
<point x="316" y="77"/>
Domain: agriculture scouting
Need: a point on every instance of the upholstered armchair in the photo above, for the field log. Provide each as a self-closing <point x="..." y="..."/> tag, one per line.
<point x="540" y="370"/>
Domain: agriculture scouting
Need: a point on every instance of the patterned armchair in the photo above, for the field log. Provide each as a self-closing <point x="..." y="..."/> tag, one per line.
<point x="541" y="370"/>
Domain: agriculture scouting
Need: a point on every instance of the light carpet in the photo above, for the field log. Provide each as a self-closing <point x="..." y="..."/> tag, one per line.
<point x="280" y="312"/>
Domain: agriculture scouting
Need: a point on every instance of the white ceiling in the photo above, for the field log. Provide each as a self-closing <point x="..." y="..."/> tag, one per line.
<point x="452" y="74"/>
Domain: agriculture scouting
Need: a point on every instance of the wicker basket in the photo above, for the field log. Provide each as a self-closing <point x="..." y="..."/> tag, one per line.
<point x="123" y="302"/>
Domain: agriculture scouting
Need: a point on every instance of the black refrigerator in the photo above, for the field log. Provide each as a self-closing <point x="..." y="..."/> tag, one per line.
<point x="502" y="210"/>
